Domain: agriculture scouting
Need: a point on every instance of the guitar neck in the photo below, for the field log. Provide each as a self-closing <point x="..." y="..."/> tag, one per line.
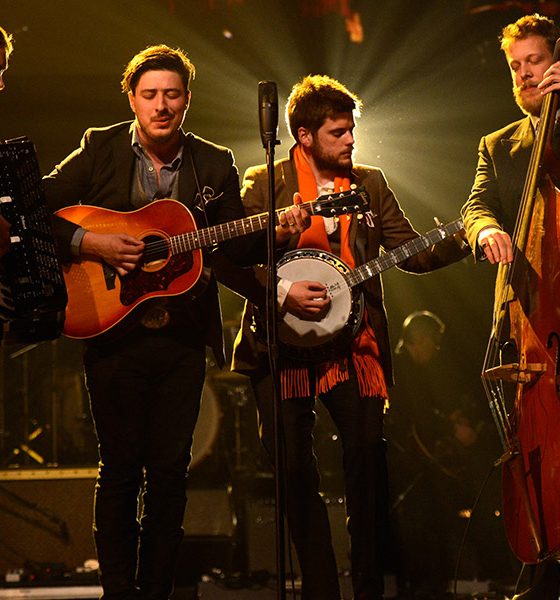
<point x="398" y="255"/>
<point x="209" y="236"/>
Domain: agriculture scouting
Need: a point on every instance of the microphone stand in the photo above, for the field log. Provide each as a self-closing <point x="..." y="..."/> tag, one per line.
<point x="269" y="143"/>
<point x="272" y="321"/>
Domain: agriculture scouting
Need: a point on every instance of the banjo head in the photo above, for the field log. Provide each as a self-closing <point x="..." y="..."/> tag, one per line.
<point x="309" y="340"/>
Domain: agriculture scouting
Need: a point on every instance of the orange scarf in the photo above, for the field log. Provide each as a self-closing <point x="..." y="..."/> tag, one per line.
<point x="364" y="349"/>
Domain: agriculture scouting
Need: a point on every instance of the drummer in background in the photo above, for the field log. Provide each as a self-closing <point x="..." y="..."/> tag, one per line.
<point x="321" y="115"/>
<point x="6" y="47"/>
<point x="442" y="445"/>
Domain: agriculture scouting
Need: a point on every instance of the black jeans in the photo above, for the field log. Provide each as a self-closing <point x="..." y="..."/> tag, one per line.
<point x="360" y="426"/>
<point x="145" y="397"/>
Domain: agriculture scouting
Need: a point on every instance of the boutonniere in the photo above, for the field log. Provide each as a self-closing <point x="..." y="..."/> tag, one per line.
<point x="208" y="195"/>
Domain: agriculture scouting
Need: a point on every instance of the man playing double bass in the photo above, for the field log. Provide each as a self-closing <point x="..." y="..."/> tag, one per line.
<point x="503" y="156"/>
<point x="490" y="216"/>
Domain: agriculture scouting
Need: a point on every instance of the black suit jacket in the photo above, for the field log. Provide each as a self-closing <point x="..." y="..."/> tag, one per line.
<point x="100" y="172"/>
<point x="503" y="160"/>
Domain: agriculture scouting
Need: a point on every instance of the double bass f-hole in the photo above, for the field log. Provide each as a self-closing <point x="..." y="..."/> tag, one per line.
<point x="554" y="339"/>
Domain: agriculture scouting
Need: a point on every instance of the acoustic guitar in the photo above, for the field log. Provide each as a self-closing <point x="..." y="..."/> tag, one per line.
<point x="172" y="262"/>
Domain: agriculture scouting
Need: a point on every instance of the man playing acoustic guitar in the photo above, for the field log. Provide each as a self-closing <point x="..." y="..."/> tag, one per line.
<point x="352" y="379"/>
<point x="145" y="384"/>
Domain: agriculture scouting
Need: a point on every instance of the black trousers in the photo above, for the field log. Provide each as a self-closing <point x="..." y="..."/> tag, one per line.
<point x="145" y="397"/>
<point x="360" y="425"/>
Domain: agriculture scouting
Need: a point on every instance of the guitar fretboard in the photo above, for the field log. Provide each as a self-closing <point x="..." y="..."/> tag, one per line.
<point x="398" y="255"/>
<point x="330" y="205"/>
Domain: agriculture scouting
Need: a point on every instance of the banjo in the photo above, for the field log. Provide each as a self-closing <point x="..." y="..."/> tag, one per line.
<point x="316" y="340"/>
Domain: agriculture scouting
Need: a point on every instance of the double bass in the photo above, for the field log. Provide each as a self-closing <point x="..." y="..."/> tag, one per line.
<point x="524" y="391"/>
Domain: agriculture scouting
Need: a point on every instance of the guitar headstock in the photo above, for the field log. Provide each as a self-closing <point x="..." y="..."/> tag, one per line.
<point x="342" y="203"/>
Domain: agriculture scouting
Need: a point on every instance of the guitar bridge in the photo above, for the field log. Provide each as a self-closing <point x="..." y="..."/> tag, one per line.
<point x="514" y="373"/>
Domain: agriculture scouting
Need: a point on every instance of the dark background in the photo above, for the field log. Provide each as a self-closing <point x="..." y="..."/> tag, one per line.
<point x="430" y="74"/>
<point x="432" y="80"/>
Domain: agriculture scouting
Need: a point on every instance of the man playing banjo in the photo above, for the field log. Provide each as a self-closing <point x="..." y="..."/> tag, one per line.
<point x="352" y="378"/>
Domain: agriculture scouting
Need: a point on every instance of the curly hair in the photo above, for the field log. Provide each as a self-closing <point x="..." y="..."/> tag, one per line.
<point x="157" y="58"/>
<point x="530" y="25"/>
<point x="316" y="98"/>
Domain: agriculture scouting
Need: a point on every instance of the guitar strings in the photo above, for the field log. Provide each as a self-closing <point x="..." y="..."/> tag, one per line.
<point x="199" y="238"/>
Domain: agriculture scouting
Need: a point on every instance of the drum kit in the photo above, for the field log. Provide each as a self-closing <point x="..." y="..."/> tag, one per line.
<point x="45" y="419"/>
<point x="44" y="414"/>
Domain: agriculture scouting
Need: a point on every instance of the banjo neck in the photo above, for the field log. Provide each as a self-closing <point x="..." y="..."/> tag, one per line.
<point x="318" y="340"/>
<point x="387" y="260"/>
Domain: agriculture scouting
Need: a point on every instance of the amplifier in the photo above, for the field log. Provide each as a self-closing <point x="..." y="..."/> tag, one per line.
<point x="260" y="531"/>
<point x="46" y="517"/>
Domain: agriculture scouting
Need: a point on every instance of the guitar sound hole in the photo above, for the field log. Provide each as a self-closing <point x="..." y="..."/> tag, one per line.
<point x="155" y="254"/>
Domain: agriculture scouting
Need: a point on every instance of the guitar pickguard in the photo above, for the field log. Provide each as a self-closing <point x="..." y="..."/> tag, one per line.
<point x="142" y="283"/>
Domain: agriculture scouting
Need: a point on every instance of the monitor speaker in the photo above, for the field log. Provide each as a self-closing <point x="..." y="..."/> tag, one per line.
<point x="46" y="517"/>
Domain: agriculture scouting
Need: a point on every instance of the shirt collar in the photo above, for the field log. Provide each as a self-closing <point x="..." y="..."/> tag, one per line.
<point x="140" y="153"/>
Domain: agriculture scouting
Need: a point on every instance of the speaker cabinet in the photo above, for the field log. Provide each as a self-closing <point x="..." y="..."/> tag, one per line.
<point x="260" y="524"/>
<point x="46" y="516"/>
<point x="210" y="541"/>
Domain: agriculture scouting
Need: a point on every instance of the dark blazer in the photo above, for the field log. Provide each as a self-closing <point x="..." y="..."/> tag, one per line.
<point x="503" y="160"/>
<point x="388" y="228"/>
<point x="100" y="172"/>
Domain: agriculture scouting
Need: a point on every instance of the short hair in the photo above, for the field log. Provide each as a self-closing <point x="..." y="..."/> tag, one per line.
<point x="316" y="98"/>
<point x="527" y="26"/>
<point x="6" y="41"/>
<point x="421" y="323"/>
<point x="157" y="58"/>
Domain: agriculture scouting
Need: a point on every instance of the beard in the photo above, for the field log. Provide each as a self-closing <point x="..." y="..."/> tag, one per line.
<point x="329" y="163"/>
<point x="529" y="105"/>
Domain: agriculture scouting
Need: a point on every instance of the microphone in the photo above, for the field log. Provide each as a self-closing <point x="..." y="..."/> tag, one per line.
<point x="268" y="112"/>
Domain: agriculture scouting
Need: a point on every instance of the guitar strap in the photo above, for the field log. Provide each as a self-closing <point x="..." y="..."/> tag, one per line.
<point x="199" y="203"/>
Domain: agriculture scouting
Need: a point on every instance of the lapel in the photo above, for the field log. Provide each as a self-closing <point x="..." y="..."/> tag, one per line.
<point x="518" y="147"/>
<point x="521" y="140"/>
<point x="355" y="179"/>
<point x="511" y="162"/>
<point x="288" y="176"/>
<point x="123" y="155"/>
<point x="187" y="176"/>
